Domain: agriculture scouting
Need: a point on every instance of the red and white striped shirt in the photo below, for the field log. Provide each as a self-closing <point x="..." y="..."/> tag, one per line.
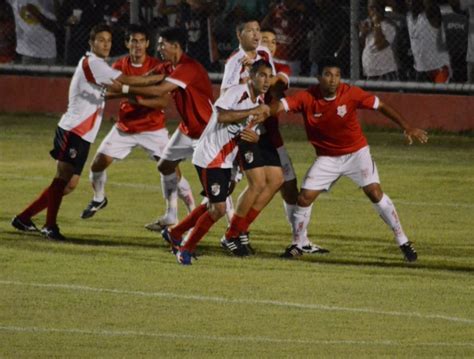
<point x="86" y="97"/>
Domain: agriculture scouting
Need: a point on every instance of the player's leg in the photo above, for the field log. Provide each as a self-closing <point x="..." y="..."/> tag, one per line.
<point x="185" y="192"/>
<point x="289" y="189"/>
<point x="178" y="148"/>
<point x="363" y="171"/>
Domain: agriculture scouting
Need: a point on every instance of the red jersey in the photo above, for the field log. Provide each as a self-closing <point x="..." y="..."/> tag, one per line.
<point x="136" y="118"/>
<point x="193" y="97"/>
<point x="331" y="125"/>
<point x="271" y="123"/>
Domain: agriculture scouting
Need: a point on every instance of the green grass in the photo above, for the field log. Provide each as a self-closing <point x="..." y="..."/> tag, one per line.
<point x="114" y="290"/>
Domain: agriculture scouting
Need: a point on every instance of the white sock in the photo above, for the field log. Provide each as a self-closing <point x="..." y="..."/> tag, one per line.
<point x="289" y="210"/>
<point x="388" y="213"/>
<point x="229" y="209"/>
<point x="186" y="194"/>
<point x="299" y="224"/>
<point x="169" y="186"/>
<point x="98" y="180"/>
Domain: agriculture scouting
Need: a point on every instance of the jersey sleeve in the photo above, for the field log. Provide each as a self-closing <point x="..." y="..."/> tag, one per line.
<point x="182" y="75"/>
<point x="117" y="65"/>
<point x="296" y="102"/>
<point x="102" y="73"/>
<point x="227" y="100"/>
<point x="365" y="100"/>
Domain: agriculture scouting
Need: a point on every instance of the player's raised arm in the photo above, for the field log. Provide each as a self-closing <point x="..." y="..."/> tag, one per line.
<point x="230" y="116"/>
<point x="409" y="132"/>
<point x="152" y="91"/>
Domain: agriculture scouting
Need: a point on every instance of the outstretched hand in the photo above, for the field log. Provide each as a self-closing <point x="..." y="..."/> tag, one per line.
<point x="115" y="86"/>
<point x="415" y="133"/>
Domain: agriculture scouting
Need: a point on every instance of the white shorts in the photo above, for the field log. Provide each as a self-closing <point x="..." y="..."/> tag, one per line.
<point x="179" y="147"/>
<point x="118" y="144"/>
<point x="286" y="164"/>
<point x="326" y="170"/>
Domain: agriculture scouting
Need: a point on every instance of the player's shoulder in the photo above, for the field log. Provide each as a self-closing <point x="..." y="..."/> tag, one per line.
<point x="121" y="62"/>
<point x="235" y="56"/>
<point x="280" y="67"/>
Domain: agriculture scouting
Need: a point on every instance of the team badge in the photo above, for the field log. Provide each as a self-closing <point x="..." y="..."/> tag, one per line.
<point x="72" y="153"/>
<point x="341" y="110"/>
<point x="215" y="189"/>
<point x="248" y="156"/>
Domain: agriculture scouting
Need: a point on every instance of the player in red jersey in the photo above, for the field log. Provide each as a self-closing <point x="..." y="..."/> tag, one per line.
<point x="139" y="124"/>
<point x="189" y="84"/>
<point x="289" y="189"/>
<point x="332" y="127"/>
<point x="77" y="129"/>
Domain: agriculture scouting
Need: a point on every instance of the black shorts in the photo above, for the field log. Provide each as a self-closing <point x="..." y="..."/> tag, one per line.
<point x="70" y="148"/>
<point x="215" y="182"/>
<point x="254" y="155"/>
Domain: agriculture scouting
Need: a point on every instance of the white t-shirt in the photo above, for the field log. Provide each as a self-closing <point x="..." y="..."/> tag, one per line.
<point x="429" y="51"/>
<point x="234" y="71"/>
<point x="469" y="5"/>
<point x="32" y="39"/>
<point x="379" y="62"/>
<point x="217" y="147"/>
<point x="86" y="97"/>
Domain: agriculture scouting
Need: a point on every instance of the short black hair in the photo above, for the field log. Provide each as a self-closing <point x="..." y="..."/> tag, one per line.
<point x="136" y="29"/>
<point x="176" y="35"/>
<point x="328" y="61"/>
<point x="259" y="63"/>
<point x="241" y="24"/>
<point x="99" y="28"/>
<point x="268" y="29"/>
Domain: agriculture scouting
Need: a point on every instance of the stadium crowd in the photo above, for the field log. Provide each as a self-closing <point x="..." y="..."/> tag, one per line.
<point x="408" y="40"/>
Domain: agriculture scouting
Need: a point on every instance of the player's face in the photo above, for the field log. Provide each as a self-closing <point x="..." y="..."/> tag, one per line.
<point x="166" y="49"/>
<point x="329" y="80"/>
<point x="102" y="44"/>
<point x="261" y="79"/>
<point x="137" y="45"/>
<point x="269" y="41"/>
<point x="250" y="36"/>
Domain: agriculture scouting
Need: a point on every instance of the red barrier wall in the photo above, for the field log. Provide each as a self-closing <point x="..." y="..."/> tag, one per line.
<point x="446" y="112"/>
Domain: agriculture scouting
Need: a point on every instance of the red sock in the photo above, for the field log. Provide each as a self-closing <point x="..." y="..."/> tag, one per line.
<point x="188" y="222"/>
<point x="250" y="217"/>
<point x="36" y="206"/>
<point x="202" y="226"/>
<point x="55" y="197"/>
<point x="237" y="225"/>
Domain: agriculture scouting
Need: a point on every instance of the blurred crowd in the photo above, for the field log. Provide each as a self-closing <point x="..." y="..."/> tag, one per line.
<point x="408" y="40"/>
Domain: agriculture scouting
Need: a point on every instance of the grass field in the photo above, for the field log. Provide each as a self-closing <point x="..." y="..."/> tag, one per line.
<point x="114" y="290"/>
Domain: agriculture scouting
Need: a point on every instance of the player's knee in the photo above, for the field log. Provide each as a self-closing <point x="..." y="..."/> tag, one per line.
<point x="217" y="210"/>
<point x="166" y="167"/>
<point x="306" y="198"/>
<point x="374" y="192"/>
<point x="101" y="162"/>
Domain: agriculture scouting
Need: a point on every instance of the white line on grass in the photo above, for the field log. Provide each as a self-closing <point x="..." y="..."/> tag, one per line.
<point x="240" y="301"/>
<point x="256" y="339"/>
<point x="323" y="197"/>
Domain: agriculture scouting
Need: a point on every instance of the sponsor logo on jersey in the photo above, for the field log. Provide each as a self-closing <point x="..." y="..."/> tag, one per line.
<point x="341" y="110"/>
<point x="215" y="189"/>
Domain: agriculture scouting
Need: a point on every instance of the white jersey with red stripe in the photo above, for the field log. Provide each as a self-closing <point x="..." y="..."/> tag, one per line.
<point x="235" y="72"/>
<point x="217" y="147"/>
<point x="86" y="97"/>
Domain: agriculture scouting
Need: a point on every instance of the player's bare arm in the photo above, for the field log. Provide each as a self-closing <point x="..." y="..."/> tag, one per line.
<point x="231" y="116"/>
<point x="157" y="103"/>
<point x="140" y="80"/>
<point x="151" y="91"/>
<point x="249" y="135"/>
<point x="409" y="132"/>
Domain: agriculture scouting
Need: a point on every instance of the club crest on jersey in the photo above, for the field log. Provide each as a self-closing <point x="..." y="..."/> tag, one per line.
<point x="248" y="156"/>
<point x="72" y="153"/>
<point x="215" y="189"/>
<point x="341" y="110"/>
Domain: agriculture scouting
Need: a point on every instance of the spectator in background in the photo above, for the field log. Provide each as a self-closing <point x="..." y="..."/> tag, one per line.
<point x="287" y="19"/>
<point x="36" y="25"/>
<point x="195" y="18"/>
<point x="7" y="33"/>
<point x="377" y="36"/>
<point x="456" y="25"/>
<point x="427" y="41"/>
<point x="330" y="35"/>
<point x="401" y="45"/>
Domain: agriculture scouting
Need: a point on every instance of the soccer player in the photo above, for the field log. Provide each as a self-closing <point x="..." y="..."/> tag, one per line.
<point x="332" y="127"/>
<point x="289" y="189"/>
<point x="139" y="124"/>
<point x="77" y="129"/>
<point x="189" y="84"/>
<point x="235" y="116"/>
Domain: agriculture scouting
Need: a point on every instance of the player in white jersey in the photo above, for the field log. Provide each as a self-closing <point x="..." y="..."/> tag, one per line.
<point x="77" y="129"/>
<point x="235" y="117"/>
